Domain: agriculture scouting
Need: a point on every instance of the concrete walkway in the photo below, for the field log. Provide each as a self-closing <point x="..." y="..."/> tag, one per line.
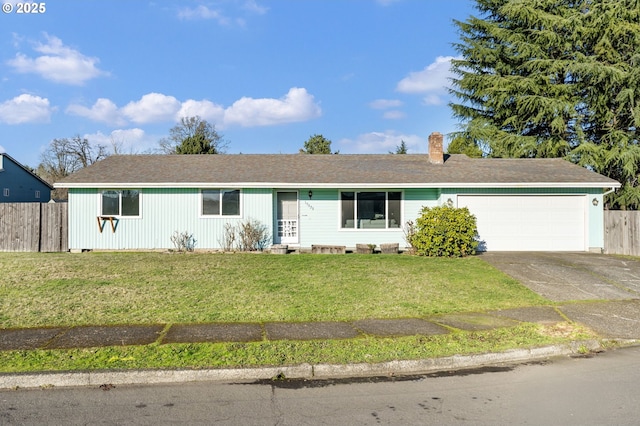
<point x="611" y="319"/>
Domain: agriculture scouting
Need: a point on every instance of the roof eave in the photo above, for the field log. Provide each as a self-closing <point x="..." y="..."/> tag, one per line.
<point x="182" y="185"/>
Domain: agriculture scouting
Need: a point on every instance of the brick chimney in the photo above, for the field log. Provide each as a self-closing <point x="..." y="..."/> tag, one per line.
<point x="436" y="154"/>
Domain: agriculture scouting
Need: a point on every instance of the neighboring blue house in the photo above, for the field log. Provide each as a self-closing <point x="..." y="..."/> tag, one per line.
<point x="139" y="201"/>
<point x="19" y="185"/>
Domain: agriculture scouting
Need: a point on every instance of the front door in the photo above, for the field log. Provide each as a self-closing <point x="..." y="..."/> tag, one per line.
<point x="287" y="217"/>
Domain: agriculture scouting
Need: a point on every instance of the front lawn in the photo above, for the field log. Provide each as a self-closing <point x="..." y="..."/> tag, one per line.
<point x="62" y="289"/>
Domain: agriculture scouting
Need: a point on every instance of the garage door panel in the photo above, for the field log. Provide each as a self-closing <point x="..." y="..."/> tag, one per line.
<point x="529" y="223"/>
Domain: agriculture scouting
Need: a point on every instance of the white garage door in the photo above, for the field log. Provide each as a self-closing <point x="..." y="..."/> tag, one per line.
<point x="529" y="223"/>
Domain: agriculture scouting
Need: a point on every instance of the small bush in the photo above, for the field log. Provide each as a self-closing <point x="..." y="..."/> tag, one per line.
<point x="445" y="231"/>
<point x="409" y="231"/>
<point x="227" y="243"/>
<point x="183" y="241"/>
<point x="250" y="235"/>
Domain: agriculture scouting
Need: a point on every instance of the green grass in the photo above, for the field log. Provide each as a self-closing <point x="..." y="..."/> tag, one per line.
<point x="61" y="289"/>
<point x="240" y="355"/>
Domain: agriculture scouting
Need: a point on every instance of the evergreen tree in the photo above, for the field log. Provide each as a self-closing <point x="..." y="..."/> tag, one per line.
<point x="553" y="78"/>
<point x="317" y="144"/>
<point x="400" y="149"/>
<point x="463" y="146"/>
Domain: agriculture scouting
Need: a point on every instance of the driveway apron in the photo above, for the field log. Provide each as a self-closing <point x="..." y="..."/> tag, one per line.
<point x="560" y="276"/>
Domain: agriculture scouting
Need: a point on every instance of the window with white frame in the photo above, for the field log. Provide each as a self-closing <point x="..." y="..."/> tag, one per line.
<point x="37" y="194"/>
<point x="370" y="209"/>
<point x="125" y="202"/>
<point x="5" y="192"/>
<point x="220" y="202"/>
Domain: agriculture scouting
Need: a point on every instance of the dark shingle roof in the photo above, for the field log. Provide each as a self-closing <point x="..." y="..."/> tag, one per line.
<point x="288" y="170"/>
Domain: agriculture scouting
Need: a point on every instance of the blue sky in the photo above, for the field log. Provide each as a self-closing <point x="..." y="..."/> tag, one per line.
<point x="366" y="74"/>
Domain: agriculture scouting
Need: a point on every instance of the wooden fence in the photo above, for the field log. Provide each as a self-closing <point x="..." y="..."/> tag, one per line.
<point x="622" y="232"/>
<point x="33" y="227"/>
<point x="44" y="227"/>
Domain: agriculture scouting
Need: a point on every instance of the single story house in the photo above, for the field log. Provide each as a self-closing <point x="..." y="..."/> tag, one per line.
<point x="19" y="185"/>
<point x="139" y="201"/>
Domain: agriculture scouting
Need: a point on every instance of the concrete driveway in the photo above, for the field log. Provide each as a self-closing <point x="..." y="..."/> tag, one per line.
<point x="561" y="276"/>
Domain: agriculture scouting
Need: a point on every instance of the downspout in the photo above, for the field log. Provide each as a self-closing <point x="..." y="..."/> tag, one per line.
<point x="613" y="188"/>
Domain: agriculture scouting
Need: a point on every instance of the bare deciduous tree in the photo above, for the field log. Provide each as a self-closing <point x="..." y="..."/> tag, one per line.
<point x="65" y="156"/>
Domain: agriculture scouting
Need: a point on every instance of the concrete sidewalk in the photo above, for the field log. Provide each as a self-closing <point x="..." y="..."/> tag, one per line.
<point x="618" y="319"/>
<point x="121" y="335"/>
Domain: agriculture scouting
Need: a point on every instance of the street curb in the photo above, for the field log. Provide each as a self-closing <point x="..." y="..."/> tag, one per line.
<point x="302" y="371"/>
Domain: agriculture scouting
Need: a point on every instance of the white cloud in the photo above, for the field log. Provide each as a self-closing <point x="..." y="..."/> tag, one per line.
<point x="432" y="81"/>
<point x="253" y="6"/>
<point x="103" y="110"/>
<point x="433" y="99"/>
<point x="203" y="12"/>
<point x="225" y="14"/>
<point x="152" y="107"/>
<point x="206" y="110"/>
<point x="297" y="105"/>
<point x="2" y="150"/>
<point x="58" y="63"/>
<point x="381" y="143"/>
<point x="26" y="109"/>
<point x="385" y="103"/>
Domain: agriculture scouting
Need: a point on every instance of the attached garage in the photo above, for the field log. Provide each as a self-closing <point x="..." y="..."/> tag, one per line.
<point x="530" y="222"/>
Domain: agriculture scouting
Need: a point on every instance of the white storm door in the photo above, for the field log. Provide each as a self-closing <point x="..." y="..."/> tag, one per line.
<point x="287" y="217"/>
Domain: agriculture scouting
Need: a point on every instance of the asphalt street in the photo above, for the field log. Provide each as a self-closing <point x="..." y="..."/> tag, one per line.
<point x="601" y="389"/>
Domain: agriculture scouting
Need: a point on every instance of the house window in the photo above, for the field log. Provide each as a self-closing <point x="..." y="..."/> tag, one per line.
<point x="5" y="192"/>
<point x="221" y="202"/>
<point x="370" y="210"/>
<point x="37" y="195"/>
<point x="124" y="202"/>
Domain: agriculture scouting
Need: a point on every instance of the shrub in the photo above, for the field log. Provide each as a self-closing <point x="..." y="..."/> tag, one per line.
<point x="445" y="231"/>
<point x="252" y="235"/>
<point x="249" y="235"/>
<point x="228" y="240"/>
<point x="409" y="231"/>
<point x="183" y="241"/>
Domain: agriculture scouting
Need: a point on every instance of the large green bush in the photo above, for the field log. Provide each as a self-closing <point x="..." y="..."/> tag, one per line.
<point x="445" y="231"/>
